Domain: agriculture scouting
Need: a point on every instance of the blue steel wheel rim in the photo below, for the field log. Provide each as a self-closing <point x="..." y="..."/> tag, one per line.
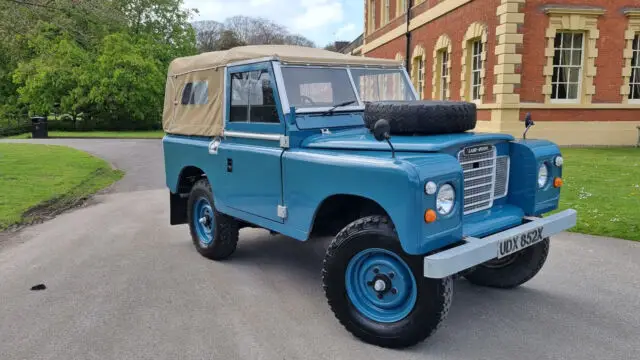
<point x="364" y="274"/>
<point x="204" y="221"/>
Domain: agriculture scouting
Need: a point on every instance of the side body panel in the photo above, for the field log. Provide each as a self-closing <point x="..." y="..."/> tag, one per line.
<point x="397" y="185"/>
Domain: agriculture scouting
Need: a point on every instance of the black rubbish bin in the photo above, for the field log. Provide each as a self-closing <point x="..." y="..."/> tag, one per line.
<point x="39" y="128"/>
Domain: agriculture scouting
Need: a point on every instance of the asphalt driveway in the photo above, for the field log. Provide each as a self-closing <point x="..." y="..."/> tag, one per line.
<point x="123" y="284"/>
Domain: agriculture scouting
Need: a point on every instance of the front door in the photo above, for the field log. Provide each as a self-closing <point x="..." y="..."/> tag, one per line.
<point x="251" y="149"/>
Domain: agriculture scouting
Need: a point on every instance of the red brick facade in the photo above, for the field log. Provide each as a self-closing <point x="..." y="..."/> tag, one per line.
<point x="611" y="44"/>
<point x="517" y="58"/>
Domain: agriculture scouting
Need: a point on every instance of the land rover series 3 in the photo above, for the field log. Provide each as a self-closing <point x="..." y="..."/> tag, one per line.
<point x="304" y="141"/>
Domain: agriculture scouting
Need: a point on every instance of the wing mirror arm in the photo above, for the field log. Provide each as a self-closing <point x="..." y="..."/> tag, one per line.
<point x="381" y="131"/>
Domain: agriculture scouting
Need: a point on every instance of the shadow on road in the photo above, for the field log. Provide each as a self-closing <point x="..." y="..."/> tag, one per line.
<point x="481" y="319"/>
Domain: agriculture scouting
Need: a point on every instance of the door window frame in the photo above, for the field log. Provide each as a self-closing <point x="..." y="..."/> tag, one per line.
<point x="253" y="127"/>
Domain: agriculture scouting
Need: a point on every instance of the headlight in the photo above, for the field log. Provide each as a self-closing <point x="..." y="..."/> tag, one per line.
<point x="543" y="175"/>
<point x="445" y="199"/>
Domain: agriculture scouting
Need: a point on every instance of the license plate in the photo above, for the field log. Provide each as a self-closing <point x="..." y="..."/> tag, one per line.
<point x="516" y="243"/>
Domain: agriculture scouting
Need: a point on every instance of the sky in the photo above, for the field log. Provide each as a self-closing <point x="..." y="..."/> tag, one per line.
<point x="322" y="21"/>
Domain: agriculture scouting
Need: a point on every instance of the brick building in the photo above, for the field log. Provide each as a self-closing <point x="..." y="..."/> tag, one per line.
<point x="573" y="64"/>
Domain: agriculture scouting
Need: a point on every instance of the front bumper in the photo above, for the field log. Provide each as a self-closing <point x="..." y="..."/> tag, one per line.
<point x="477" y="251"/>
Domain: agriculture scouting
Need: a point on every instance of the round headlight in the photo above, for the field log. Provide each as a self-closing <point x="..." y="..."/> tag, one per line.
<point x="543" y="175"/>
<point x="445" y="199"/>
<point x="559" y="161"/>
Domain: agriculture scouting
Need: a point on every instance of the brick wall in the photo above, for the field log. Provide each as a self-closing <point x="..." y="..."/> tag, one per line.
<point x="394" y="21"/>
<point x="455" y="25"/>
<point x="581" y="114"/>
<point x="612" y="26"/>
<point x="390" y="49"/>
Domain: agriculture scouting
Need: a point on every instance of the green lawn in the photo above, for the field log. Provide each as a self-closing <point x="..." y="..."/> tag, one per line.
<point x="157" y="134"/>
<point x="40" y="180"/>
<point x="603" y="185"/>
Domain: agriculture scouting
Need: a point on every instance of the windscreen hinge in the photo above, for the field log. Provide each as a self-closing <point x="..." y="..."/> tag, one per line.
<point x="284" y="142"/>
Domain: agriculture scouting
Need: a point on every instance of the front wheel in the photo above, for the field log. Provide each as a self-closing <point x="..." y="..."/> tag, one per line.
<point x="377" y="291"/>
<point x="513" y="270"/>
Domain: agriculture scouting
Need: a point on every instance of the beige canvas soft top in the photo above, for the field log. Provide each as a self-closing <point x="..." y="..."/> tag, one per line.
<point x="204" y="118"/>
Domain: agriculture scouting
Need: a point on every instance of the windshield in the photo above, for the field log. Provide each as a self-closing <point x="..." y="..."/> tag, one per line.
<point x="318" y="88"/>
<point x="308" y="87"/>
<point x="382" y="84"/>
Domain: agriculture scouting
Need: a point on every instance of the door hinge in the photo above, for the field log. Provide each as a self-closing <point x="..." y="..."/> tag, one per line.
<point x="284" y="142"/>
<point x="282" y="212"/>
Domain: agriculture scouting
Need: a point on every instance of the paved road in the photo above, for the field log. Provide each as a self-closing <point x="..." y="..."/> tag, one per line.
<point x="122" y="284"/>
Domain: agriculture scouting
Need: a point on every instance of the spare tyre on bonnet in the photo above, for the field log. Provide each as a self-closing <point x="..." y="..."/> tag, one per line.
<point x="422" y="117"/>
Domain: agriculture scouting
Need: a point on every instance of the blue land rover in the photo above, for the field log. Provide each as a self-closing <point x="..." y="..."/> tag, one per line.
<point x="303" y="141"/>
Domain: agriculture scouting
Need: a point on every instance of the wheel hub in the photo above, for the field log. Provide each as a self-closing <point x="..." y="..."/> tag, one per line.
<point x="380" y="285"/>
<point x="204" y="220"/>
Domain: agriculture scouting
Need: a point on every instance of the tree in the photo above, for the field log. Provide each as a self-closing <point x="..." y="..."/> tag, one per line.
<point x="127" y="85"/>
<point x="228" y="39"/>
<point x="51" y="75"/>
<point x="207" y="34"/>
<point x="245" y="30"/>
<point x="106" y="59"/>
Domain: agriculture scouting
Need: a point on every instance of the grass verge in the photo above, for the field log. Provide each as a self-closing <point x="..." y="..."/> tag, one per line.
<point x="40" y="181"/>
<point x="603" y="185"/>
<point x="156" y="134"/>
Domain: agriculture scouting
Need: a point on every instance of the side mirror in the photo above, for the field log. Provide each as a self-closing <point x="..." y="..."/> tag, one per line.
<point x="381" y="130"/>
<point x="528" y="123"/>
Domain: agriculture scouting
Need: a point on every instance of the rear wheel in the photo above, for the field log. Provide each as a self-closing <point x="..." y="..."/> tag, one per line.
<point x="377" y="291"/>
<point x="214" y="235"/>
<point x="513" y="270"/>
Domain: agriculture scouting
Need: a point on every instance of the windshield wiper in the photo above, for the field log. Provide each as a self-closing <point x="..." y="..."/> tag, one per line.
<point x="346" y="103"/>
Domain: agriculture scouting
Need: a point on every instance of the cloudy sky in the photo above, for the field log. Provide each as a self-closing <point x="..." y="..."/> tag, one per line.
<point x="322" y="21"/>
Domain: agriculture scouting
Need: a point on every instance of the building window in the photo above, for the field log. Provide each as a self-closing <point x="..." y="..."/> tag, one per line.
<point x="634" y="82"/>
<point x="371" y="22"/>
<point x="401" y="7"/>
<point x="476" y="69"/>
<point x="418" y="65"/>
<point x="444" y="74"/>
<point x="567" y="67"/>
<point x="385" y="12"/>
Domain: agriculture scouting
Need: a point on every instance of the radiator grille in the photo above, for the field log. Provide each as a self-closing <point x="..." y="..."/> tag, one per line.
<point x="485" y="179"/>
<point x="502" y="177"/>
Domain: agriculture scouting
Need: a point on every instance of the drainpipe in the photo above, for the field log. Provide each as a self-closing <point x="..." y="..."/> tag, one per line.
<point x="407" y="59"/>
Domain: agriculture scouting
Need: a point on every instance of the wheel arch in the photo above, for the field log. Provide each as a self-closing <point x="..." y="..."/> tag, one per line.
<point x="187" y="177"/>
<point x="354" y="207"/>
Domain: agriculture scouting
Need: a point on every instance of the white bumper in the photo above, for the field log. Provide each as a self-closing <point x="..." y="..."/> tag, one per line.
<point x="477" y="251"/>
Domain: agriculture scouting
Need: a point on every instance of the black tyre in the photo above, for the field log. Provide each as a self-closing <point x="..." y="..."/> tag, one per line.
<point x="214" y="235"/>
<point x="378" y="292"/>
<point x="511" y="271"/>
<point x="422" y="117"/>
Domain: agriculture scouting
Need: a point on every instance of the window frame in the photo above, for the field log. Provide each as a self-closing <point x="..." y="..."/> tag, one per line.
<point x="386" y="12"/>
<point x="371" y="12"/>
<point x="581" y="69"/>
<point x="444" y="77"/>
<point x="260" y="127"/>
<point x="476" y="59"/>
<point x="418" y="63"/>
<point x="635" y="69"/>
<point x="401" y="7"/>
